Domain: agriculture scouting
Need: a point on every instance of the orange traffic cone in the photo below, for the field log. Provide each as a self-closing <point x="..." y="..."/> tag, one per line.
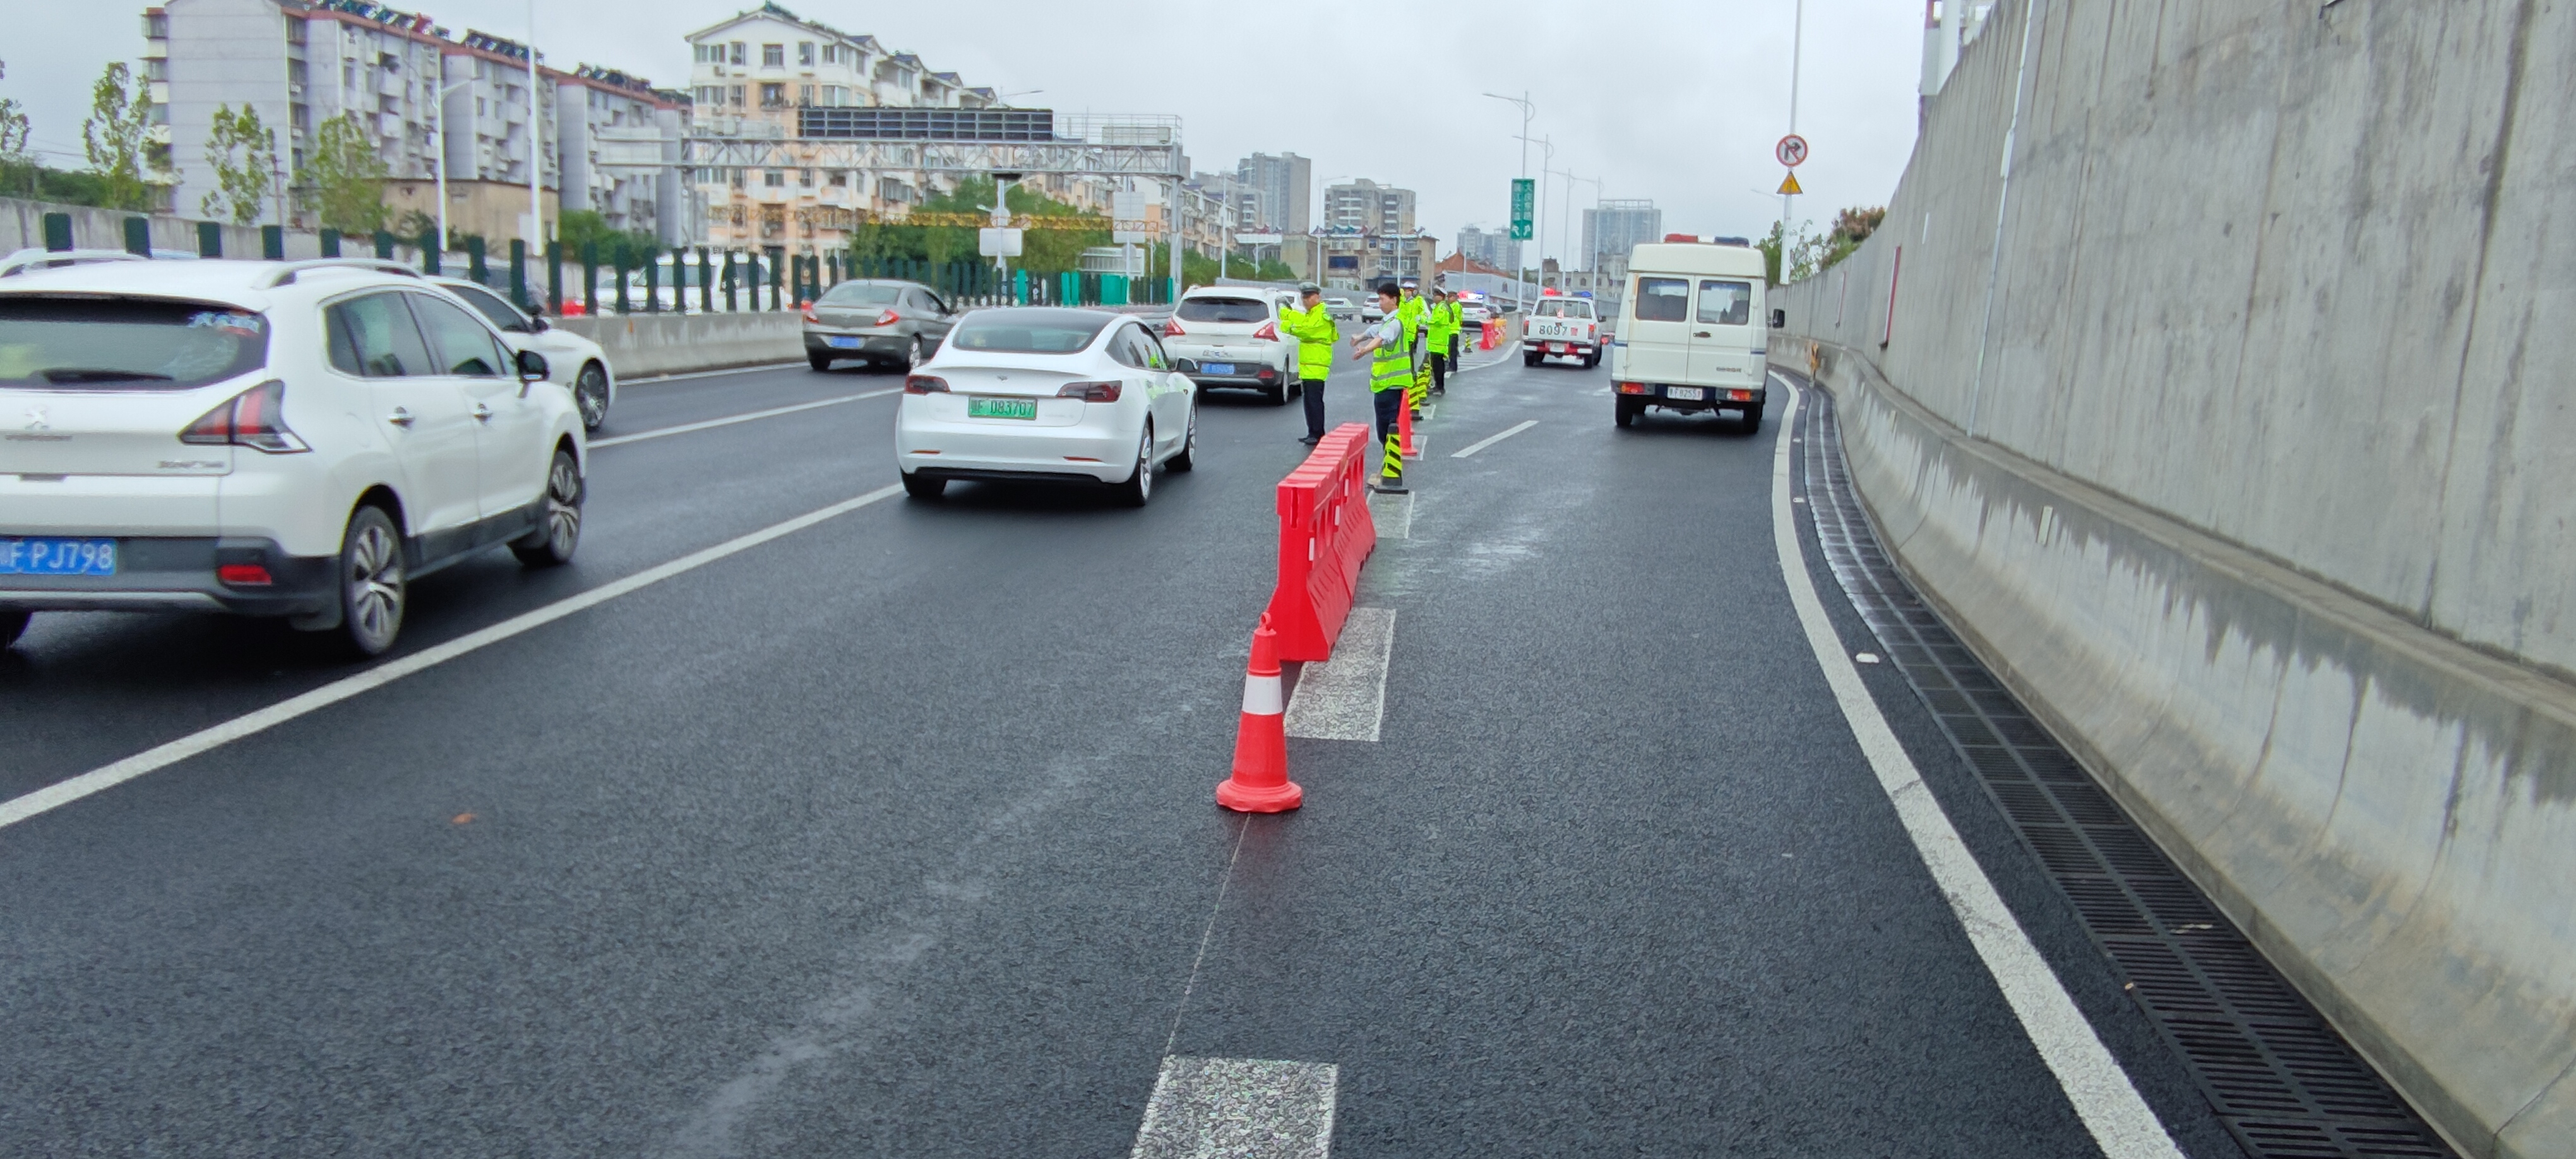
<point x="1260" y="783"/>
<point x="1404" y="431"/>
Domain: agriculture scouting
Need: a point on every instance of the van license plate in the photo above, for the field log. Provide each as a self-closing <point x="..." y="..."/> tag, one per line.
<point x="57" y="557"/>
<point x="1001" y="408"/>
<point x="1686" y="393"/>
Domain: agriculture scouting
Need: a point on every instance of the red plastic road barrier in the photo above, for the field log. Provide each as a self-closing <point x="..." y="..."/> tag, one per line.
<point x="1491" y="335"/>
<point x="1260" y="783"/>
<point x="1325" y="534"/>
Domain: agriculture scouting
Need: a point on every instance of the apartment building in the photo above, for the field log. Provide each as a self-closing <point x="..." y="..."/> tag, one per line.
<point x="300" y="64"/>
<point x="1494" y="248"/>
<point x="1358" y="260"/>
<point x="1618" y="226"/>
<point x="1275" y="194"/>
<point x="751" y="75"/>
<point x="1370" y="207"/>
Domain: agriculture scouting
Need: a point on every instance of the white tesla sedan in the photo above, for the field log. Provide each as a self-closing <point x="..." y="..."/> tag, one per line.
<point x="1037" y="393"/>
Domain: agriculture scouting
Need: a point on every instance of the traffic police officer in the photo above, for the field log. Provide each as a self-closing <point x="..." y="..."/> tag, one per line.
<point x="1389" y="349"/>
<point x="1417" y="335"/>
<point x="1315" y="333"/>
<point x="1445" y="319"/>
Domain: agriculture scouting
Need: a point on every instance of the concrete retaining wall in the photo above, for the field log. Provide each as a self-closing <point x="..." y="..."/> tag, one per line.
<point x="645" y="345"/>
<point x="2233" y="428"/>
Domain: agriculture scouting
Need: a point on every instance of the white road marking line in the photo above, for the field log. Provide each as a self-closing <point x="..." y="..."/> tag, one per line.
<point x="1239" y="1108"/>
<point x="65" y="792"/>
<point x="1429" y="409"/>
<point x="2121" y="1122"/>
<point x="1344" y="698"/>
<point x="1488" y="441"/>
<point x="623" y="383"/>
<point x="1421" y="446"/>
<point x="730" y="420"/>
<point x="1507" y="350"/>
<point x="1393" y="515"/>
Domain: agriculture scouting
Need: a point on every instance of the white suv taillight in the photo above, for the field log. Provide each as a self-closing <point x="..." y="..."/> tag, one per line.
<point x="255" y="418"/>
<point x="1269" y="332"/>
<point x="1172" y="328"/>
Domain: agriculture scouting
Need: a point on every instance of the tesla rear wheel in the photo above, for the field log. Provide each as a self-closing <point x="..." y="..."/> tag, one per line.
<point x="12" y="626"/>
<point x="924" y="487"/>
<point x="590" y="393"/>
<point x="1189" y="454"/>
<point x="553" y="542"/>
<point x="1140" y="487"/>
<point x="372" y="594"/>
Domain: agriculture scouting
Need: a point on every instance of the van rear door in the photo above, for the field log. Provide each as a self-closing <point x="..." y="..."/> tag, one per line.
<point x="1658" y="333"/>
<point x="1722" y="332"/>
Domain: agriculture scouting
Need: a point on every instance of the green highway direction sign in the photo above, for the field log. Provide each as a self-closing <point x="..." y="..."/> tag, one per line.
<point x="1524" y="201"/>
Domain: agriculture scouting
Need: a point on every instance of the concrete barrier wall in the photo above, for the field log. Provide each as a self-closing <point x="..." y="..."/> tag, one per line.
<point x="2210" y="370"/>
<point x="646" y="345"/>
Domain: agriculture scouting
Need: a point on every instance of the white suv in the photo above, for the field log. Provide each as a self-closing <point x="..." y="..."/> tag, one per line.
<point x="292" y="439"/>
<point x="1229" y="336"/>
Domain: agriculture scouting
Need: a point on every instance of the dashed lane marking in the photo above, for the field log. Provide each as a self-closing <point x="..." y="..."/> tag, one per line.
<point x="61" y="793"/>
<point x="1490" y="440"/>
<point x="2121" y="1122"/>
<point x="730" y="420"/>
<point x="1239" y="1108"/>
<point x="1344" y="698"/>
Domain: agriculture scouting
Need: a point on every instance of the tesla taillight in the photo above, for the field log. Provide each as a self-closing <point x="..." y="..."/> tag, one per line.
<point x="889" y="318"/>
<point x="1172" y="328"/>
<point x="925" y="384"/>
<point x="809" y="313"/>
<point x="255" y="418"/>
<point x="1090" y="391"/>
<point x="1269" y="332"/>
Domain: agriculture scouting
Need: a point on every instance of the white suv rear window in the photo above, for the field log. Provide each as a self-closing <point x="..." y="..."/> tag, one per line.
<point x="1246" y="310"/>
<point x="125" y="344"/>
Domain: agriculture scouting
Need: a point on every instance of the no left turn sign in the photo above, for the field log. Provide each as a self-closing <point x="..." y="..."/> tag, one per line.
<point x="1791" y="150"/>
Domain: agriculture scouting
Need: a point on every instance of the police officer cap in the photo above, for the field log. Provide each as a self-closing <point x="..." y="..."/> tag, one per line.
<point x="1310" y="288"/>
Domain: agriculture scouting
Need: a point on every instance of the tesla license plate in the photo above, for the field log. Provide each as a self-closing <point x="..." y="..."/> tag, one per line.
<point x="57" y="557"/>
<point x="1217" y="367"/>
<point x="1685" y="393"/>
<point x="1001" y="408"/>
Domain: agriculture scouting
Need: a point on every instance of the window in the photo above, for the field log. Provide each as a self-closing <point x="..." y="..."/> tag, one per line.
<point x="737" y="178"/>
<point x="773" y="56"/>
<point x="805" y="94"/>
<point x="490" y="305"/>
<point x="773" y="96"/>
<point x="834" y="96"/>
<point x="805" y="53"/>
<point x="125" y="344"/>
<point x="1245" y="311"/>
<point x="463" y="346"/>
<point x="1154" y="356"/>
<point x="1033" y="331"/>
<point x="1725" y="303"/>
<point x="1663" y="300"/>
<point x="736" y="93"/>
<point x="737" y="52"/>
<point x="773" y="179"/>
<point x="805" y="177"/>
<point x="1126" y="350"/>
<point x="373" y="337"/>
<point x="862" y="294"/>
<point x="831" y="54"/>
<point x="840" y="179"/>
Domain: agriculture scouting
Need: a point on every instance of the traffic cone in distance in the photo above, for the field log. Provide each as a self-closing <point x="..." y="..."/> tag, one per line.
<point x="1260" y="782"/>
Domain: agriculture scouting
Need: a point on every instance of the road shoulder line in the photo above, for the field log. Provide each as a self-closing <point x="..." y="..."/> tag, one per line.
<point x="1490" y="440"/>
<point x="1242" y="1108"/>
<point x="2103" y="1097"/>
<point x="64" y="792"/>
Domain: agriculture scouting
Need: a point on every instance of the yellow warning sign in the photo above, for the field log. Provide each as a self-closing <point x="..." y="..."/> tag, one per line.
<point x="1789" y="184"/>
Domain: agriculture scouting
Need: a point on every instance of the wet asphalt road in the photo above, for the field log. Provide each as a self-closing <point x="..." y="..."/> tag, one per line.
<point x="894" y="836"/>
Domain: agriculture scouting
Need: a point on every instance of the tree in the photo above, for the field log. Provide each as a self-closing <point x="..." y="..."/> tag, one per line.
<point x="1807" y="252"/>
<point x="588" y="226"/>
<point x="244" y="154"/>
<point x="114" y="138"/>
<point x="344" y="177"/>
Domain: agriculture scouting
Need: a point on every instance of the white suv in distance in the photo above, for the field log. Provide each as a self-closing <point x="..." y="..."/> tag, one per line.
<point x="291" y="439"/>
<point x="1229" y="336"/>
<point x="571" y="360"/>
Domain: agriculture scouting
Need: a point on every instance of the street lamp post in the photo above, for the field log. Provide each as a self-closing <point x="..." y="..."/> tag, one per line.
<point x="1547" y="155"/>
<point x="1528" y="112"/>
<point x="536" y="154"/>
<point x="438" y="130"/>
<point x="1797" y="37"/>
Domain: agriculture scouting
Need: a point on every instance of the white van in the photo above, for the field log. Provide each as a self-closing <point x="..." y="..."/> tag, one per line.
<point x="1693" y="332"/>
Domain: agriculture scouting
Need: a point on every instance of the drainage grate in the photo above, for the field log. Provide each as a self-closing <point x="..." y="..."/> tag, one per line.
<point x="2281" y="1079"/>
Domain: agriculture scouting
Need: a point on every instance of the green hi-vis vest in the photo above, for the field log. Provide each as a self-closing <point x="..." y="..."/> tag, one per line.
<point x="1391" y="368"/>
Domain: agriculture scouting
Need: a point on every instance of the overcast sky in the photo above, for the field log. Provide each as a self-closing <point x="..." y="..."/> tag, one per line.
<point x="1674" y="100"/>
